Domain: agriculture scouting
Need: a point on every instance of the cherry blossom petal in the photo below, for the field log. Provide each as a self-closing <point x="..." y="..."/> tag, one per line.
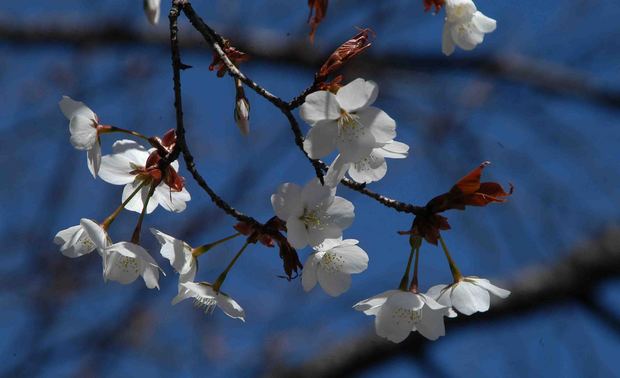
<point x="468" y="298"/>
<point x="318" y="234"/>
<point x="330" y="244"/>
<point x="370" y="169"/>
<point x="447" y="44"/>
<point x="466" y="36"/>
<point x="287" y="201"/>
<point x="459" y="11"/>
<point x="171" y="200"/>
<point x="336" y="172"/>
<point x="380" y="124"/>
<point x="314" y="195"/>
<point x="431" y="302"/>
<point x="341" y="212"/>
<point x="96" y="234"/>
<point x="319" y="106"/>
<point x="357" y="94"/>
<point x="484" y="283"/>
<point x="371" y="305"/>
<point x="440" y="294"/>
<point x="355" y="142"/>
<point x="353" y="258"/>
<point x="93" y="158"/>
<point x="83" y="133"/>
<point x="230" y="307"/>
<point x="321" y="139"/>
<point x="394" y="150"/>
<point x="116" y="169"/>
<point x="184" y="292"/>
<point x="150" y="275"/>
<point x="296" y="232"/>
<point x="71" y="108"/>
<point x="333" y="283"/>
<point x="176" y="251"/>
<point x="309" y="276"/>
<point x="136" y="203"/>
<point x="431" y="325"/>
<point x="483" y="23"/>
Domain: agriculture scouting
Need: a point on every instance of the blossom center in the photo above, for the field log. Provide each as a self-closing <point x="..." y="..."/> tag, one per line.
<point x="332" y="262"/>
<point x="311" y="218"/>
<point x="205" y="303"/>
<point x="347" y="120"/>
<point x="127" y="264"/>
<point x="407" y="315"/>
<point x="87" y="243"/>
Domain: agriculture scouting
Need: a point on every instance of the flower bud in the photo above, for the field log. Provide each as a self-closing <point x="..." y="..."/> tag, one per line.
<point x="151" y="10"/>
<point x="242" y="115"/>
<point x="242" y="110"/>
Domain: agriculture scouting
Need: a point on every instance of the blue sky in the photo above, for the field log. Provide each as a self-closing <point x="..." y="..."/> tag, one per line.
<point x="560" y="152"/>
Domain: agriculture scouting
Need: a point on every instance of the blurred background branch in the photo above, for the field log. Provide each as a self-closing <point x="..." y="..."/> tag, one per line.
<point x="541" y="75"/>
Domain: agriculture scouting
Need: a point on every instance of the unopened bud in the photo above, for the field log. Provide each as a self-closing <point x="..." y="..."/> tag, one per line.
<point x="151" y="10"/>
<point x="242" y="109"/>
<point x="242" y="115"/>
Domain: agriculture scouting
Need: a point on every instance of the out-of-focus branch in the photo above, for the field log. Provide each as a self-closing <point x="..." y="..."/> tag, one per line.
<point x="570" y="279"/>
<point x="538" y="74"/>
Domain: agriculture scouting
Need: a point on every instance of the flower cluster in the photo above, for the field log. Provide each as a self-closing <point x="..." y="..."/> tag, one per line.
<point x="343" y="125"/>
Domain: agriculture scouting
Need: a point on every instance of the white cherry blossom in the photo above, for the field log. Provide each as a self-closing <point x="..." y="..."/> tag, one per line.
<point x="127" y="165"/>
<point x="74" y="241"/>
<point x="346" y="121"/>
<point x="312" y="213"/>
<point x="123" y="262"/>
<point x="398" y="312"/>
<point x="468" y="296"/>
<point x="83" y="125"/>
<point x="465" y="26"/>
<point x="179" y="253"/>
<point x="369" y="169"/>
<point x="152" y="10"/>
<point x="332" y="264"/>
<point x="207" y="299"/>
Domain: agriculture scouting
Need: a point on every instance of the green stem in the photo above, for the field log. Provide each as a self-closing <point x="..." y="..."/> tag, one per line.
<point x="135" y="238"/>
<point x="108" y="221"/>
<point x="222" y="276"/>
<point x="405" y="280"/>
<point x="204" y="248"/>
<point x="114" y="129"/>
<point x="456" y="274"/>
<point x="414" y="281"/>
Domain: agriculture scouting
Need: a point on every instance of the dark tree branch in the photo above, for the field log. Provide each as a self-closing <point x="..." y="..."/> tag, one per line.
<point x="573" y="278"/>
<point x="216" y="42"/>
<point x="181" y="145"/>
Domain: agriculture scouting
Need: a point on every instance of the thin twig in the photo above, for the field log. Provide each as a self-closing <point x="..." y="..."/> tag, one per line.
<point x="181" y="144"/>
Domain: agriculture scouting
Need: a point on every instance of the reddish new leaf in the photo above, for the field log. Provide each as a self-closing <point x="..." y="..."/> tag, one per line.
<point x="468" y="191"/>
<point x="345" y="52"/>
<point x="428" y="4"/>
<point x="232" y="53"/>
<point x="319" y="9"/>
